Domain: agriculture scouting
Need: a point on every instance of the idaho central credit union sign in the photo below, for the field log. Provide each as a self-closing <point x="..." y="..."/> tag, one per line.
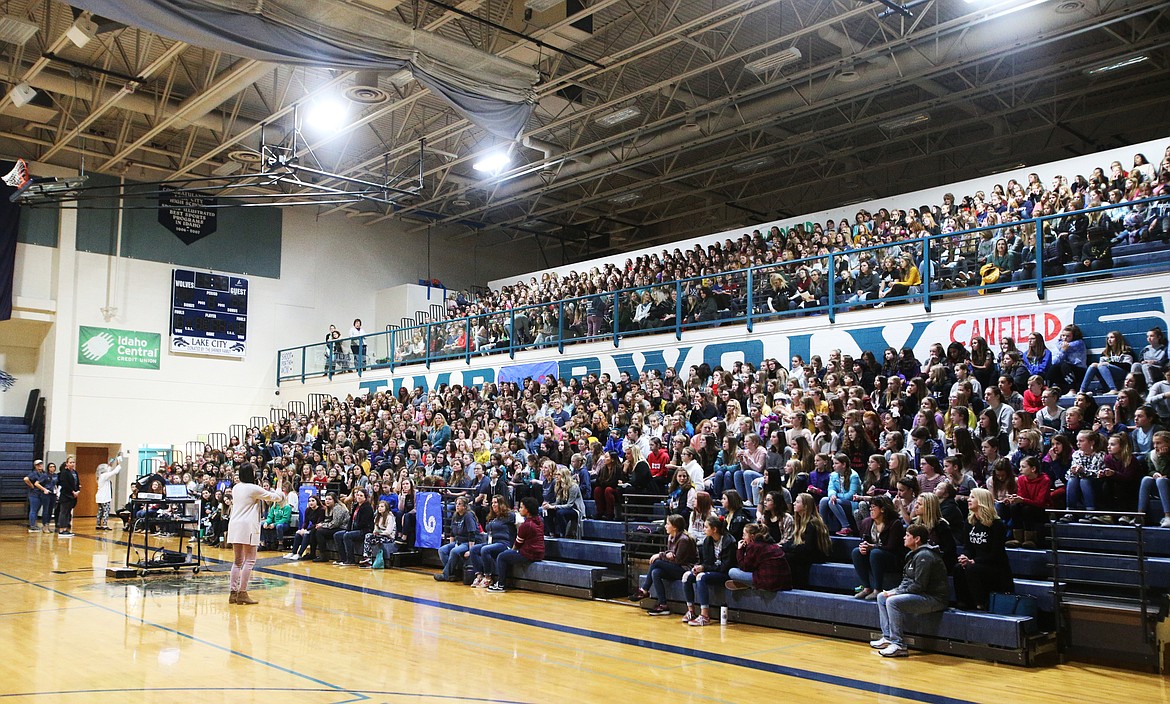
<point x="107" y="347"/>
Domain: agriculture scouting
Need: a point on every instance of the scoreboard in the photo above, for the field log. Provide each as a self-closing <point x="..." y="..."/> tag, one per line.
<point x="209" y="313"/>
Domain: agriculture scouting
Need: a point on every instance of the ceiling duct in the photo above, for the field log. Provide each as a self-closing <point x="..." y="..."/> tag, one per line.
<point x="365" y="89"/>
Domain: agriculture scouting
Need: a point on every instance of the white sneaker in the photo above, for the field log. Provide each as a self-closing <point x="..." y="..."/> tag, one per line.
<point x="879" y="643"/>
<point x="1165" y="522"/>
<point x="893" y="651"/>
<point x="294" y="557"/>
<point x="286" y="556"/>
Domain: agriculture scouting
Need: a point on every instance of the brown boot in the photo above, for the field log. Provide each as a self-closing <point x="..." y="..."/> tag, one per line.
<point x="243" y="598"/>
<point x="1031" y="539"/>
<point x="234" y="598"/>
<point x="1017" y="538"/>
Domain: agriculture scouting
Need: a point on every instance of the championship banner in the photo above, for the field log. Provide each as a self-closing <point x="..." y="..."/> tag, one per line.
<point x="190" y="216"/>
<point x="428" y="511"/>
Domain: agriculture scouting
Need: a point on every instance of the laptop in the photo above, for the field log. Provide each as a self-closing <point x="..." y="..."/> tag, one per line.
<point x="176" y="492"/>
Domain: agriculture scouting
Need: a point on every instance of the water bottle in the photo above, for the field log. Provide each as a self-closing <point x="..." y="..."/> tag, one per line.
<point x="722" y="615"/>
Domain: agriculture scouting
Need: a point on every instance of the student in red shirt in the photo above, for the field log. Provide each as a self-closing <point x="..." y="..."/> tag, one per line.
<point x="529" y="543"/>
<point x="658" y="460"/>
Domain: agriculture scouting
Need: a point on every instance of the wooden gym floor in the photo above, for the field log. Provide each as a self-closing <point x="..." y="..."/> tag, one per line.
<point x="326" y="635"/>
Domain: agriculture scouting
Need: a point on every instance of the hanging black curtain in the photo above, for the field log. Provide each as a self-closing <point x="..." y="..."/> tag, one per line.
<point x="9" y="224"/>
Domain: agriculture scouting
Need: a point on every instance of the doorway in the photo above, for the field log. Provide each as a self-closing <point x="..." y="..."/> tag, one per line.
<point x="88" y="459"/>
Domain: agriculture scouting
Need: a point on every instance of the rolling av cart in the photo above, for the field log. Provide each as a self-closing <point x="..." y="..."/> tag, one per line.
<point x="185" y="527"/>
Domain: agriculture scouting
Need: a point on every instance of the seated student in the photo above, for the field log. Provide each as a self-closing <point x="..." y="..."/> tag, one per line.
<point x="773" y="515"/>
<point x="567" y="508"/>
<point x="1157" y="480"/>
<point x="954" y="514"/>
<point x="837" y="507"/>
<point x="923" y="590"/>
<point x="354" y="532"/>
<point x="716" y="556"/>
<point x="1026" y="507"/>
<point x="881" y="551"/>
<point x="1084" y="475"/>
<point x="759" y="564"/>
<point x="928" y="512"/>
<point x="382" y="537"/>
<point x="810" y="543"/>
<point x="1121" y="476"/>
<point x="983" y="565"/>
<point x="1152" y="363"/>
<point x="735" y="517"/>
<point x="676" y="558"/>
<point x="464" y="529"/>
<point x="314" y="513"/>
<point x="501" y="531"/>
<point x="529" y="546"/>
<point x="274" y="526"/>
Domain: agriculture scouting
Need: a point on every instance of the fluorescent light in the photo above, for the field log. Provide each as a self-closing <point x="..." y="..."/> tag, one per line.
<point x="83" y="30"/>
<point x="619" y="116"/>
<point x="752" y="164"/>
<point x="775" y="61"/>
<point x="493" y="163"/>
<point x="1117" y="65"/>
<point x="15" y="30"/>
<point x="626" y="198"/>
<point x="326" y="114"/>
<point x="541" y="5"/>
<point x="902" y="122"/>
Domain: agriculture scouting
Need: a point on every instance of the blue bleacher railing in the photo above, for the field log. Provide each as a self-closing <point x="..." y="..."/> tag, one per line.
<point x="742" y="296"/>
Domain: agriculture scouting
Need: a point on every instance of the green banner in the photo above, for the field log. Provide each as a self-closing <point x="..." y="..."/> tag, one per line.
<point x="107" y="347"/>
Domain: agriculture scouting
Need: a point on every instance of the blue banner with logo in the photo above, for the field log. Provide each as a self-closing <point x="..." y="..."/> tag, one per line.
<point x="519" y="372"/>
<point x="428" y="510"/>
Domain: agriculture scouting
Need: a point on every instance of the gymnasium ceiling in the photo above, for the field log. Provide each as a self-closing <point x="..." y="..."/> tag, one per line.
<point x="876" y="104"/>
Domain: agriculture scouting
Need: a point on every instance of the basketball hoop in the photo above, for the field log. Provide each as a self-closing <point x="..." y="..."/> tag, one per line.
<point x="18" y="177"/>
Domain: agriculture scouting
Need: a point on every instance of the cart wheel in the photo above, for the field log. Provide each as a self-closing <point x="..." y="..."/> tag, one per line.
<point x="141" y="573"/>
<point x="195" y="571"/>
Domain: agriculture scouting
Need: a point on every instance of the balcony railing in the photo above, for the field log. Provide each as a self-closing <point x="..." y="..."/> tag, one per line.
<point x="948" y="265"/>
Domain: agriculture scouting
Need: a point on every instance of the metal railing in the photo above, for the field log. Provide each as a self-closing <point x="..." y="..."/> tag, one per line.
<point x="948" y="265"/>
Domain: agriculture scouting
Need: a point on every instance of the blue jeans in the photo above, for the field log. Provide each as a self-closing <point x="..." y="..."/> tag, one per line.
<point x="504" y="562"/>
<point x="1149" y="487"/>
<point x="349" y="543"/>
<point x="659" y="571"/>
<point x="452" y="555"/>
<point x="1081" y="492"/>
<point x="743" y="479"/>
<point x="872" y="568"/>
<point x="697" y="586"/>
<point x="301" y="542"/>
<point x="36" y="500"/>
<point x="739" y="575"/>
<point x="1110" y="375"/>
<point x="483" y="557"/>
<point x="721" y="481"/>
<point x="839" y="511"/>
<point x="892" y="612"/>
<point x="560" y="519"/>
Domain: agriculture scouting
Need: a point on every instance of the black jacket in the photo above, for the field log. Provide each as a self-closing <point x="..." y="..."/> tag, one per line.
<point x="362" y="518"/>
<point x="68" y="481"/>
<point x="726" y="554"/>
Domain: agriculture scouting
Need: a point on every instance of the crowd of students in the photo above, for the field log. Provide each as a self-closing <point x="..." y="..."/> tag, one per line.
<point x="792" y="277"/>
<point x="968" y="441"/>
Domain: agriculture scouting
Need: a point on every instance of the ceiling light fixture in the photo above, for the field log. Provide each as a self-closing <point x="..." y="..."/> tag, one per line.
<point x="899" y="123"/>
<point x="83" y="30"/>
<point x="752" y="164"/>
<point x="1123" y="63"/>
<point x="542" y="5"/>
<point x="626" y="198"/>
<point x="21" y="94"/>
<point x="493" y="163"/>
<point x="15" y="30"/>
<point x="775" y="61"/>
<point x="619" y="116"/>
<point x="326" y="114"/>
